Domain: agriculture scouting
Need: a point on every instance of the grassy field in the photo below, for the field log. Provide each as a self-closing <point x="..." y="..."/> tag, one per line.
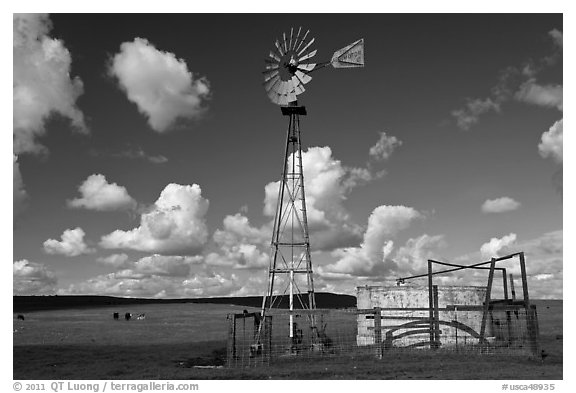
<point x="174" y="338"/>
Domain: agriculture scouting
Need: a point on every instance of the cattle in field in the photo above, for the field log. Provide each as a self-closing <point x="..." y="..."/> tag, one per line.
<point x="127" y="316"/>
<point x="116" y="316"/>
<point x="141" y="316"/>
<point x="20" y="317"/>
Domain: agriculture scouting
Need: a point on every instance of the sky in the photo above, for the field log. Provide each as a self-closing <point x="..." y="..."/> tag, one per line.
<point x="146" y="151"/>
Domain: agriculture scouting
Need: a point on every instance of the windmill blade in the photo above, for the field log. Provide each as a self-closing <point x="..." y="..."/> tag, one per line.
<point x="297" y="36"/>
<point x="290" y="43"/>
<point x="270" y="85"/>
<point x="306" y="67"/>
<point x="279" y="48"/>
<point x="272" y="66"/>
<point x="306" y="47"/>
<point x="282" y="88"/>
<point x="308" y="56"/>
<point x="269" y="75"/>
<point x="282" y="100"/>
<point x="350" y="56"/>
<point x="273" y="56"/>
<point x="274" y="97"/>
<point x="305" y="78"/>
<point x="299" y="86"/>
<point x="303" y="39"/>
<point x="291" y="97"/>
<point x="285" y="45"/>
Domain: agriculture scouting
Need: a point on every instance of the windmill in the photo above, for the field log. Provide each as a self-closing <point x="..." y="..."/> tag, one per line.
<point x="288" y="68"/>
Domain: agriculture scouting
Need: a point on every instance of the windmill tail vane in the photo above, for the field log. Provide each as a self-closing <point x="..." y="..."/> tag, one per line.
<point x="289" y="64"/>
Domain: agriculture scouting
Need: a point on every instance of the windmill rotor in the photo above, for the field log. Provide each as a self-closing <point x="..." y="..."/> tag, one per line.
<point x="290" y="62"/>
<point x="287" y="67"/>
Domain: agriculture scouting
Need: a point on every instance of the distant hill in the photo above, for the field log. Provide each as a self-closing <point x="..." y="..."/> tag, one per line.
<point x="22" y="304"/>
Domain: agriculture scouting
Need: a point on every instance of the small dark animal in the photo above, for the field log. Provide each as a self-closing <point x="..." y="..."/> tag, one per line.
<point x="127" y="316"/>
<point x="245" y="312"/>
<point x="20" y="317"/>
<point x="543" y="355"/>
<point x="116" y="315"/>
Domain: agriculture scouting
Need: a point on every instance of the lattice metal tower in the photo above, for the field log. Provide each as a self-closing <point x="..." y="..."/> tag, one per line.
<point x="287" y="71"/>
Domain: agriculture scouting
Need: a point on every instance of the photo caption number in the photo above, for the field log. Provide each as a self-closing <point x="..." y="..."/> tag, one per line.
<point x="35" y="386"/>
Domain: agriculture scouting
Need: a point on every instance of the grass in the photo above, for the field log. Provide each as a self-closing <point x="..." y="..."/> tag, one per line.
<point x="89" y="344"/>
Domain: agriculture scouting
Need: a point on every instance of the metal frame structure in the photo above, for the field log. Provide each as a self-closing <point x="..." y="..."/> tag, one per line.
<point x="506" y="304"/>
<point x="290" y="244"/>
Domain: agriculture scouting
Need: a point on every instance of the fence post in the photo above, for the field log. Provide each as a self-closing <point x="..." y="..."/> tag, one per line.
<point x="231" y="353"/>
<point x="378" y="332"/>
<point x="431" y="305"/>
<point x="436" y="317"/>
<point x="487" y="301"/>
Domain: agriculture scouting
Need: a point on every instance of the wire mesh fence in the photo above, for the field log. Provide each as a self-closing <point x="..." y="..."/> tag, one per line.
<point x="508" y="330"/>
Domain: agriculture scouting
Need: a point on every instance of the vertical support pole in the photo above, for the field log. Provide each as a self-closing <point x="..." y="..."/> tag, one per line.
<point x="524" y="280"/>
<point x="436" y="317"/>
<point x="268" y="336"/>
<point x="505" y="284"/>
<point x="378" y="331"/>
<point x="487" y="300"/>
<point x="431" y="305"/>
<point x="512" y="287"/>
<point x="231" y="340"/>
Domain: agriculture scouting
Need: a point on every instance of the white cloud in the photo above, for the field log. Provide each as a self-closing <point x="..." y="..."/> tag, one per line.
<point x="549" y="96"/>
<point x="374" y="252"/>
<point x="134" y="285"/>
<point x="159" y="84"/>
<point x="160" y="265"/>
<point x="71" y="245"/>
<point x="42" y="85"/>
<point x="412" y="258"/>
<point x="31" y="278"/>
<point x="544" y="264"/>
<point x="500" y="205"/>
<point x="495" y="245"/>
<point x="326" y="190"/>
<point x="467" y="117"/>
<point x="175" y="223"/>
<point x="556" y="37"/>
<point x="552" y="142"/>
<point x="115" y="260"/>
<point x="98" y="194"/>
<point x="384" y="147"/>
<point x="20" y="195"/>
<point x="141" y="154"/>
<point x="240" y="245"/>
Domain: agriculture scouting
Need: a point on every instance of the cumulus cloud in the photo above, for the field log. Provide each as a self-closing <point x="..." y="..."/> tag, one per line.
<point x="159" y="83"/>
<point x="377" y="245"/>
<point x="115" y="260"/>
<point x="500" y="205"/>
<point x="71" y="245"/>
<point x="469" y="115"/>
<point x="203" y="284"/>
<point x="556" y="37"/>
<point x="141" y="154"/>
<point x="515" y="82"/>
<point x="495" y="245"/>
<point x="31" y="278"/>
<point x="549" y="96"/>
<point x="412" y="258"/>
<point x="551" y="144"/>
<point x="240" y="245"/>
<point x="97" y="194"/>
<point x="42" y="84"/>
<point x="175" y="223"/>
<point x="544" y="264"/>
<point x="384" y="147"/>
<point x="161" y="265"/>
<point x="20" y="195"/>
<point x="326" y="190"/>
